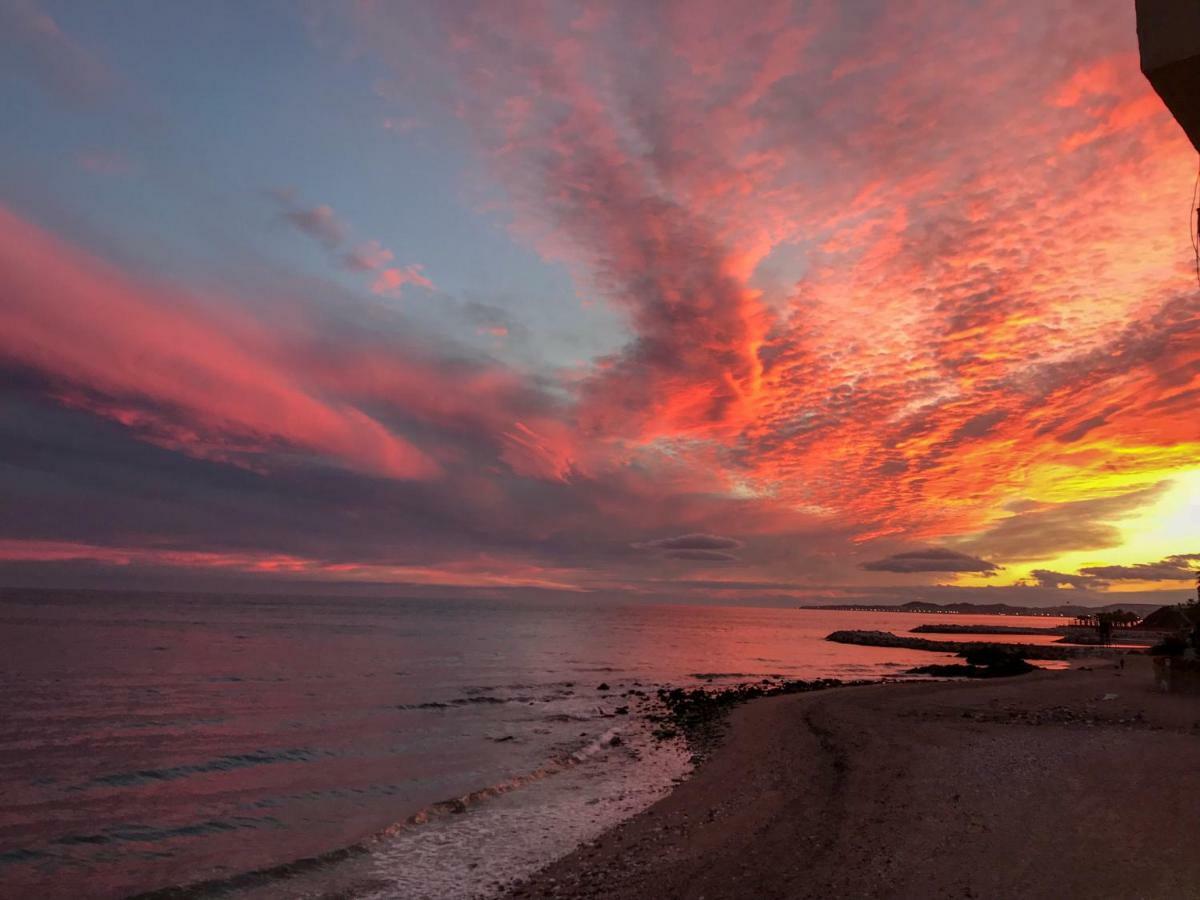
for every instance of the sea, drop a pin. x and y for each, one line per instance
(297, 747)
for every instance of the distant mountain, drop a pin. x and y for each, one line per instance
(994, 609)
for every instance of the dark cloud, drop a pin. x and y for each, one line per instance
(931, 560)
(697, 546)
(1173, 568)
(691, 542)
(1051, 579)
(320, 222)
(980, 425)
(703, 555)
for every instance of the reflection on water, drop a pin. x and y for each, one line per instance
(154, 739)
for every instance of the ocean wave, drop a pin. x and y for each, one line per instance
(220, 764)
(148, 834)
(454, 806)
(705, 676)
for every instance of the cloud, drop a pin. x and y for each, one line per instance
(369, 257)
(1043, 531)
(391, 280)
(324, 226)
(1173, 568)
(1051, 579)
(696, 547)
(320, 223)
(691, 542)
(35, 46)
(931, 560)
(171, 370)
(855, 273)
(866, 291)
(701, 555)
(490, 319)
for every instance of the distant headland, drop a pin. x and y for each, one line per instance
(991, 609)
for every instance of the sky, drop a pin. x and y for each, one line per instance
(808, 302)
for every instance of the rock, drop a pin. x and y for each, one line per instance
(1030, 651)
(602, 686)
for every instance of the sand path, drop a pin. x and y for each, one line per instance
(1029, 787)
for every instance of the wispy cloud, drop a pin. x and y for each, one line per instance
(324, 226)
(170, 369)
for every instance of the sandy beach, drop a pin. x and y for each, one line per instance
(1078, 783)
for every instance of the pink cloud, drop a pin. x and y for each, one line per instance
(175, 370)
(369, 257)
(478, 573)
(389, 281)
(323, 225)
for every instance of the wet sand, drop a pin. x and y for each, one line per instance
(1027, 787)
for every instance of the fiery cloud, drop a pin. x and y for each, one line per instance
(887, 277)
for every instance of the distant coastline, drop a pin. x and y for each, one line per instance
(989, 609)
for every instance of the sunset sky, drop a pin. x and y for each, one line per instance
(698, 301)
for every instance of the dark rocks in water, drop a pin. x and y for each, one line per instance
(602, 686)
(983, 629)
(1171, 645)
(982, 662)
(955, 670)
(1031, 651)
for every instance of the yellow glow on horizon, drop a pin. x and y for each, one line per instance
(1168, 526)
(1124, 469)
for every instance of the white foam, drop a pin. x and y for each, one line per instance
(506, 832)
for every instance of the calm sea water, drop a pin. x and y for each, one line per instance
(154, 740)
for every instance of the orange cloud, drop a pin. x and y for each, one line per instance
(992, 276)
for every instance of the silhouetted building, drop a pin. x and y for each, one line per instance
(1169, 39)
(1171, 618)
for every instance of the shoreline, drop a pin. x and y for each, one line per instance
(1073, 782)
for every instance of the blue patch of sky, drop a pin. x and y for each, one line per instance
(205, 117)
